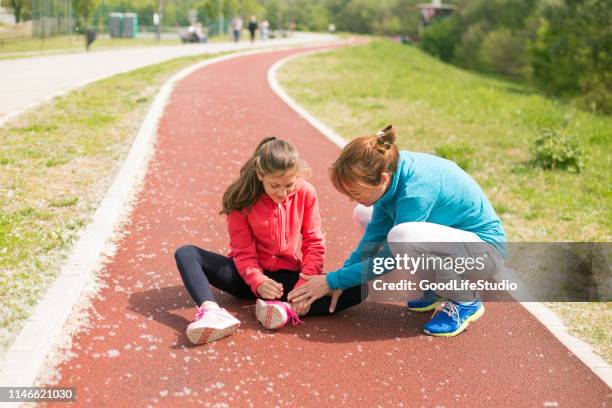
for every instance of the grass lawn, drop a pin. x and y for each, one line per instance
(77, 44)
(56, 164)
(488, 126)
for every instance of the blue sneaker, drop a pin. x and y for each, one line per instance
(451, 318)
(429, 301)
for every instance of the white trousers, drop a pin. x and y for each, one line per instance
(420, 239)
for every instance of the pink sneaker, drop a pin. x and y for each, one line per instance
(274, 314)
(211, 325)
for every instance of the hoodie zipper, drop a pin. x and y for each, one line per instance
(280, 225)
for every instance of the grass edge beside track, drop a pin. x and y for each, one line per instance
(56, 164)
(358, 90)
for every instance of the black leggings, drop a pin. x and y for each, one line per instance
(200, 269)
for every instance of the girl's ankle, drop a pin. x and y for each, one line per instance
(207, 305)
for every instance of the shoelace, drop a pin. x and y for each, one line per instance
(295, 319)
(449, 308)
(200, 312)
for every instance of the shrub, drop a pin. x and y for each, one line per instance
(467, 51)
(439, 38)
(572, 52)
(503, 51)
(555, 151)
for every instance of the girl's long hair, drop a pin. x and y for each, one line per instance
(365, 159)
(271, 155)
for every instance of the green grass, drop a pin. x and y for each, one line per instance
(56, 163)
(590, 321)
(74, 42)
(489, 127)
(486, 124)
(10, 49)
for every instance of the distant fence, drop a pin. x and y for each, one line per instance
(49, 18)
(15, 32)
(52, 17)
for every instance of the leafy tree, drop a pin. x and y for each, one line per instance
(503, 51)
(84, 10)
(22, 9)
(440, 37)
(572, 53)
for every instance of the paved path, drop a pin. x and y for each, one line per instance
(136, 352)
(28, 81)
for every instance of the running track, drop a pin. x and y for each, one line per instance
(136, 352)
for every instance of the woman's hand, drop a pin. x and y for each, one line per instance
(270, 289)
(334, 300)
(301, 308)
(315, 288)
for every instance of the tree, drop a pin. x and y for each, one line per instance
(572, 53)
(440, 37)
(84, 10)
(22, 9)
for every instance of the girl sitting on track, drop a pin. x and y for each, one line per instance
(410, 200)
(268, 208)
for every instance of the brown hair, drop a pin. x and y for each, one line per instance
(365, 159)
(271, 155)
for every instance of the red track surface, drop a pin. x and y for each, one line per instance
(137, 354)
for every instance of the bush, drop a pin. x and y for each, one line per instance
(503, 51)
(439, 38)
(597, 93)
(556, 70)
(572, 53)
(467, 51)
(554, 151)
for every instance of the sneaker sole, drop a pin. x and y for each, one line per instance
(204, 335)
(270, 316)
(426, 308)
(461, 328)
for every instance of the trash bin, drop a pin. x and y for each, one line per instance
(115, 25)
(130, 25)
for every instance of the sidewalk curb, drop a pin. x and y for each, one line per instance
(543, 314)
(41, 332)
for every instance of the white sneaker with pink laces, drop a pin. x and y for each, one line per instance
(274, 314)
(210, 325)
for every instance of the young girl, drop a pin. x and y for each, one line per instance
(268, 207)
(415, 198)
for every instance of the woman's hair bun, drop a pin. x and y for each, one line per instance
(386, 137)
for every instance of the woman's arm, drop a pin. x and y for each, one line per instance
(375, 233)
(408, 209)
(374, 236)
(346, 277)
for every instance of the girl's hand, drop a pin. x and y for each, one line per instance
(315, 288)
(270, 289)
(301, 308)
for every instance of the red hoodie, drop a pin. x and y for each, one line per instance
(266, 236)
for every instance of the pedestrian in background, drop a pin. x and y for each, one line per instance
(264, 29)
(236, 28)
(253, 26)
